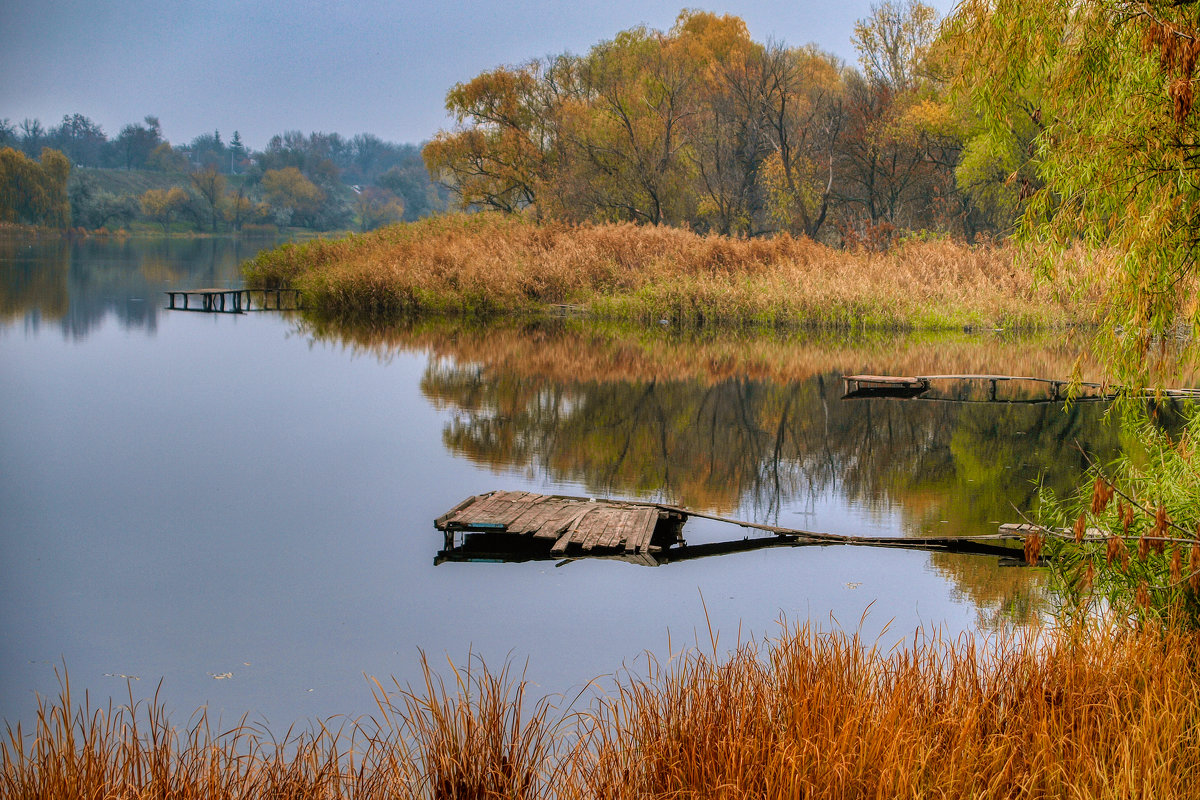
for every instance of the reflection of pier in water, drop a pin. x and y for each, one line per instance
(525, 526)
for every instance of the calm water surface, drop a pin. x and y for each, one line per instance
(242, 505)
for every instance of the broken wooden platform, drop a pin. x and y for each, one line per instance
(526, 526)
(563, 523)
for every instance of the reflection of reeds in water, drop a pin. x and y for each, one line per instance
(1082, 714)
(486, 263)
(579, 351)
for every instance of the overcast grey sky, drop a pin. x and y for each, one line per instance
(265, 66)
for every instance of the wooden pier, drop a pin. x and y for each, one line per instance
(232, 301)
(863, 386)
(524, 526)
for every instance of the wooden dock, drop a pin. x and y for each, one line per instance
(525, 526)
(232, 301)
(559, 523)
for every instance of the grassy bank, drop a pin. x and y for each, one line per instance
(486, 263)
(1094, 714)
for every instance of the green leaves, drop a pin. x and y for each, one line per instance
(1112, 152)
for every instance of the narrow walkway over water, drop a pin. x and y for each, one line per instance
(233, 301)
(909, 387)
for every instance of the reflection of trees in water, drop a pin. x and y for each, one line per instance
(80, 282)
(33, 278)
(737, 441)
(764, 446)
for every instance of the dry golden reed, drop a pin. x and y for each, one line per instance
(1093, 713)
(487, 263)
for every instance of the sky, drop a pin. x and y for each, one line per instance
(261, 67)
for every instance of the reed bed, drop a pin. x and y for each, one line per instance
(486, 263)
(1100, 712)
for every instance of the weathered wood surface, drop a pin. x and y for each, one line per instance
(582, 523)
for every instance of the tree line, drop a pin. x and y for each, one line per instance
(319, 181)
(705, 127)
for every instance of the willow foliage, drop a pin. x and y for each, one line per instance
(1109, 88)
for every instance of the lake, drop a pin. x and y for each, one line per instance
(242, 506)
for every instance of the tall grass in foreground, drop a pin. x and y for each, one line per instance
(1096, 713)
(486, 263)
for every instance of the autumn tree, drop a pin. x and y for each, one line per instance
(892, 42)
(730, 137)
(374, 206)
(34, 192)
(293, 198)
(804, 107)
(163, 205)
(896, 159)
(165, 158)
(496, 157)
(633, 138)
(209, 184)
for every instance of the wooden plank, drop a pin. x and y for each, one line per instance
(558, 514)
(530, 518)
(583, 528)
(497, 511)
(631, 526)
(562, 519)
(573, 527)
(536, 513)
(599, 523)
(613, 532)
(887, 380)
(444, 518)
(515, 507)
(485, 502)
(640, 541)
